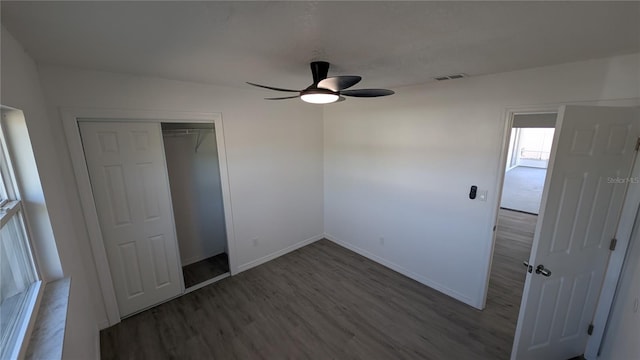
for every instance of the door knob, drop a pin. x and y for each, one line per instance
(529, 267)
(540, 269)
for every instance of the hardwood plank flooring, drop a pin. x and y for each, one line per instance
(326, 302)
(205, 269)
(514, 236)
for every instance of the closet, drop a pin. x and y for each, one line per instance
(158, 200)
(194, 177)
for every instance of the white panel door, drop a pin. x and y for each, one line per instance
(584, 191)
(131, 192)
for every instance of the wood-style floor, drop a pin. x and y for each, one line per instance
(325, 302)
(205, 269)
(514, 236)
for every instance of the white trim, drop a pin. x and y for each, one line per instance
(279, 253)
(404, 271)
(96, 341)
(226, 195)
(28, 313)
(616, 262)
(70, 118)
(12, 186)
(208, 282)
(8, 210)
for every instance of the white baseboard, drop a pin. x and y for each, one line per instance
(97, 344)
(408, 273)
(278, 253)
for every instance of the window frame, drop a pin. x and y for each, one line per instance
(11, 207)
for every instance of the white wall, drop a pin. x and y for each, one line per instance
(274, 151)
(621, 338)
(59, 243)
(196, 194)
(401, 167)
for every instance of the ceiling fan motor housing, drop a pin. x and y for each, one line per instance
(319, 70)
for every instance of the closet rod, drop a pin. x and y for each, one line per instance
(202, 133)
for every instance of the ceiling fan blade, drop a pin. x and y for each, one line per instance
(283, 98)
(272, 88)
(338, 83)
(367, 92)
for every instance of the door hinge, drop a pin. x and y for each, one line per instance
(638, 144)
(590, 329)
(612, 244)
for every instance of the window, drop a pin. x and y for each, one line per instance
(19, 279)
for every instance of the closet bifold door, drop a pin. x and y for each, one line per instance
(133, 202)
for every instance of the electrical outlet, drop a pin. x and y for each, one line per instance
(482, 195)
(255, 241)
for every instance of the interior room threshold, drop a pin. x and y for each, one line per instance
(207, 282)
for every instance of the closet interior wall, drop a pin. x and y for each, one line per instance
(194, 177)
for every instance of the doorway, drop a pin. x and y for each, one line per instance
(525, 169)
(196, 193)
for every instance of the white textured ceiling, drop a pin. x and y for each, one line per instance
(389, 43)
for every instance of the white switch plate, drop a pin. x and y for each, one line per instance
(482, 195)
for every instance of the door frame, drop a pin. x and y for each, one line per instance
(617, 258)
(70, 118)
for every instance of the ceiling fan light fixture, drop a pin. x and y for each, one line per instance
(319, 98)
(316, 95)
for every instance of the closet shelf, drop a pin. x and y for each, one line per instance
(201, 133)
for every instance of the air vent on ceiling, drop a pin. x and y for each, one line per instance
(450, 77)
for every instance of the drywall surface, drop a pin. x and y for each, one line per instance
(60, 247)
(274, 151)
(398, 169)
(621, 338)
(196, 194)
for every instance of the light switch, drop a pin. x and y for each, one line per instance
(482, 195)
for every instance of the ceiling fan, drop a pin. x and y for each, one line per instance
(325, 90)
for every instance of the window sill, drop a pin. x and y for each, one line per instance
(47, 337)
